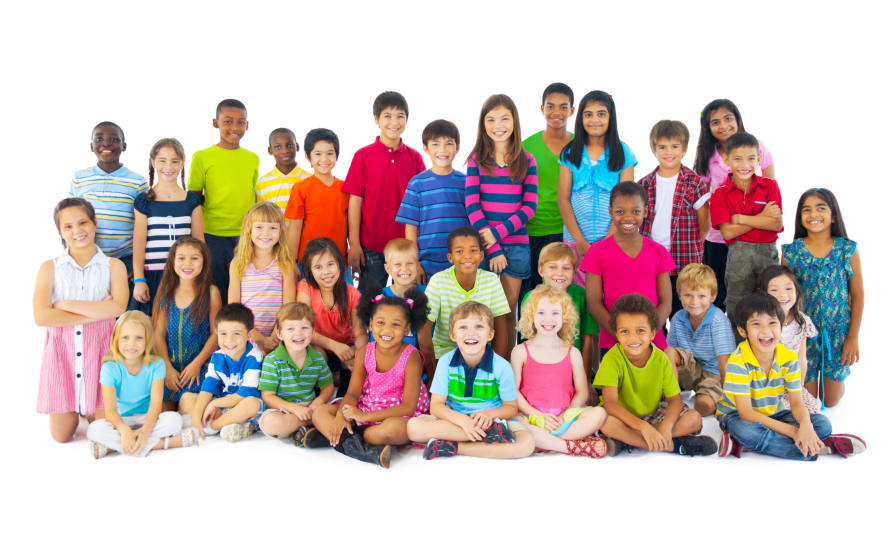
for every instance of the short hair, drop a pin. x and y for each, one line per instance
(229, 103)
(236, 312)
(69, 202)
(137, 317)
(758, 303)
(294, 311)
(562, 89)
(634, 304)
(108, 124)
(320, 134)
(569, 330)
(281, 130)
(441, 128)
(740, 139)
(628, 189)
(466, 309)
(390, 99)
(671, 130)
(697, 276)
(557, 251)
(400, 245)
(465, 230)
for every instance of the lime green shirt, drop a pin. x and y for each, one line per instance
(229, 179)
(547, 219)
(640, 390)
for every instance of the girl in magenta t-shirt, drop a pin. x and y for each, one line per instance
(627, 262)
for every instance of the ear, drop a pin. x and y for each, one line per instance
(407, 330)
(542, 110)
(743, 333)
(307, 158)
(270, 151)
(540, 270)
(214, 123)
(247, 125)
(92, 150)
(376, 119)
(759, 160)
(491, 336)
(123, 147)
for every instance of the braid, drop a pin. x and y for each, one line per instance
(150, 193)
(183, 176)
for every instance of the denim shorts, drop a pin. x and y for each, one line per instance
(518, 261)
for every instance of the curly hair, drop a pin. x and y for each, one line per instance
(569, 330)
(634, 304)
(416, 315)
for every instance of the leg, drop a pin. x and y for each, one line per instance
(833, 391)
(64, 425)
(276, 425)
(690, 422)
(545, 440)
(715, 257)
(221, 255)
(129, 268)
(616, 429)
(587, 424)
(169, 405)
(756, 437)
(392, 431)
(511, 287)
(246, 409)
(524, 446)
(423, 428)
(676, 304)
(187, 403)
(101, 431)
(323, 417)
(739, 279)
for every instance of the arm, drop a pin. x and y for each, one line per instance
(156, 394)
(702, 217)
(340, 421)
(564, 200)
(610, 403)
(474, 209)
(355, 251)
(769, 219)
(769, 172)
(197, 230)
(850, 353)
(439, 409)
(517, 361)
(410, 232)
(746, 413)
(199, 412)
(580, 379)
(806, 438)
(663, 291)
(499, 342)
(160, 336)
(110, 401)
(103, 309)
(427, 348)
(507, 411)
(193, 371)
(593, 286)
(44, 313)
(587, 352)
(141, 290)
(526, 212)
(288, 286)
(342, 351)
(234, 291)
(295, 227)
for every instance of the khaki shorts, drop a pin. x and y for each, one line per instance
(693, 378)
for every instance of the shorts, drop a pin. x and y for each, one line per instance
(518, 261)
(272, 410)
(658, 415)
(693, 378)
(254, 420)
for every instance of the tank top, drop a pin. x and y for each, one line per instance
(547, 385)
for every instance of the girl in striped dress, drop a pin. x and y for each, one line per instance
(262, 274)
(77, 297)
(162, 214)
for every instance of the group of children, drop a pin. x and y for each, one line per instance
(295, 350)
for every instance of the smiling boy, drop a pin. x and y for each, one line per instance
(276, 185)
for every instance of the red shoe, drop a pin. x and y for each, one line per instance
(589, 446)
(729, 446)
(843, 444)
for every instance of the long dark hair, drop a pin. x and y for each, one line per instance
(317, 247)
(483, 151)
(164, 297)
(574, 150)
(707, 142)
(773, 272)
(837, 228)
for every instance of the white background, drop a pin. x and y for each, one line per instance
(811, 80)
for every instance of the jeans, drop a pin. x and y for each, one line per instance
(715, 257)
(128, 268)
(373, 271)
(756, 437)
(222, 249)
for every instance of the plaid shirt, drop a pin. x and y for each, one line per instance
(686, 240)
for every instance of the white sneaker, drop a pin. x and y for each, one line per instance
(234, 432)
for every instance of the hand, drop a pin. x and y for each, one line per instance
(141, 292)
(356, 257)
(208, 415)
(192, 373)
(771, 210)
(172, 379)
(335, 429)
(140, 439)
(473, 431)
(344, 352)
(201, 428)
(351, 413)
(498, 263)
(303, 413)
(850, 351)
(593, 398)
(665, 431)
(488, 237)
(654, 440)
(260, 340)
(582, 246)
(481, 420)
(551, 422)
(421, 277)
(807, 441)
(127, 439)
(61, 305)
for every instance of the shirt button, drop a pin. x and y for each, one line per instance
(393, 161)
(79, 375)
(79, 354)
(78, 333)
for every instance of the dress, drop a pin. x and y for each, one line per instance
(383, 390)
(791, 337)
(185, 341)
(262, 292)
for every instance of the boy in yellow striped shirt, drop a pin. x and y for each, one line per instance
(277, 185)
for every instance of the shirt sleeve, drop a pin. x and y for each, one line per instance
(736, 380)
(699, 194)
(325, 377)
(157, 372)
(433, 293)
(255, 174)
(251, 377)
(354, 181)
(591, 263)
(666, 263)
(529, 204)
(722, 336)
(110, 374)
(142, 206)
(506, 381)
(719, 209)
(607, 374)
(295, 207)
(409, 211)
(474, 204)
(670, 386)
(270, 378)
(498, 302)
(630, 159)
(440, 379)
(197, 175)
(671, 339)
(793, 376)
(766, 157)
(212, 384)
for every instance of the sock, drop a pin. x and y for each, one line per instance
(677, 446)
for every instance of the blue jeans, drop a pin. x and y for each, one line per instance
(373, 271)
(518, 261)
(756, 437)
(222, 249)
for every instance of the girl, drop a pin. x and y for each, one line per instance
(162, 214)
(829, 267)
(333, 301)
(552, 387)
(501, 196)
(719, 120)
(262, 273)
(782, 283)
(589, 167)
(76, 297)
(184, 312)
(386, 391)
(133, 382)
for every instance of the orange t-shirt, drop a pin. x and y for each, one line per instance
(324, 210)
(329, 323)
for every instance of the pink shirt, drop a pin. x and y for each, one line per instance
(624, 275)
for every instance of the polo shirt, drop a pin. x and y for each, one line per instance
(276, 187)
(744, 376)
(730, 199)
(112, 196)
(280, 374)
(469, 390)
(380, 174)
(133, 393)
(547, 220)
(445, 295)
(712, 338)
(226, 376)
(640, 389)
(579, 298)
(436, 205)
(228, 179)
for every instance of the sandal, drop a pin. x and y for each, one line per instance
(97, 450)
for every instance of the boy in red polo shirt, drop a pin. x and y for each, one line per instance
(376, 182)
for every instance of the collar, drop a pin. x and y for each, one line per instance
(757, 180)
(296, 172)
(745, 349)
(459, 286)
(486, 364)
(120, 172)
(649, 359)
(596, 175)
(706, 318)
(99, 258)
(381, 147)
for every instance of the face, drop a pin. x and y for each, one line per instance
(167, 164)
(265, 235)
(816, 215)
(325, 270)
(635, 334)
(723, 124)
(763, 332)
(323, 158)
(188, 262)
(441, 151)
(232, 338)
(471, 335)
(627, 214)
(132, 341)
(548, 317)
(596, 119)
(558, 274)
(295, 334)
(557, 109)
(403, 267)
(392, 123)
(389, 325)
(782, 288)
(76, 228)
(499, 124)
(744, 162)
(233, 123)
(107, 144)
(283, 148)
(466, 254)
(669, 153)
(696, 300)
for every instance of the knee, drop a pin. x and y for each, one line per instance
(832, 398)
(392, 435)
(93, 430)
(250, 403)
(596, 415)
(822, 426)
(691, 421)
(413, 430)
(611, 426)
(525, 444)
(187, 403)
(169, 423)
(271, 424)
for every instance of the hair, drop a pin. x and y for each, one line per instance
(315, 248)
(671, 130)
(281, 130)
(441, 128)
(628, 189)
(390, 99)
(470, 308)
(773, 272)
(740, 139)
(136, 317)
(267, 212)
(557, 251)
(159, 145)
(697, 276)
(164, 296)
(465, 230)
(558, 87)
(294, 311)
(416, 314)
(108, 124)
(569, 330)
(634, 304)
(574, 150)
(235, 312)
(757, 303)
(707, 144)
(70, 202)
(837, 228)
(483, 151)
(400, 245)
(229, 103)
(320, 134)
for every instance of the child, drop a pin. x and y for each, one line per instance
(589, 167)
(750, 412)
(403, 266)
(640, 393)
(185, 307)
(224, 176)
(333, 301)
(162, 214)
(379, 403)
(746, 208)
(277, 185)
(552, 387)
(133, 381)
(290, 375)
(627, 262)
(700, 340)
(473, 396)
(678, 212)
(827, 264)
(262, 274)
(376, 181)
(229, 401)
(718, 121)
(435, 200)
(77, 297)
(501, 196)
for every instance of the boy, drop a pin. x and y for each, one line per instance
(473, 396)
(751, 412)
(229, 401)
(290, 374)
(678, 215)
(462, 282)
(546, 225)
(635, 376)
(435, 201)
(700, 340)
(224, 177)
(403, 265)
(277, 185)
(376, 181)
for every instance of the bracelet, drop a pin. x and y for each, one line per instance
(140, 280)
(738, 219)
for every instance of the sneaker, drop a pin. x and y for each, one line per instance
(614, 447)
(729, 446)
(843, 444)
(696, 445)
(499, 432)
(234, 432)
(97, 450)
(310, 438)
(440, 448)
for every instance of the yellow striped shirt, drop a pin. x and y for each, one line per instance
(276, 187)
(744, 376)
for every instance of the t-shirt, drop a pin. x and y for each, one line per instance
(280, 374)
(730, 199)
(226, 376)
(661, 230)
(166, 221)
(329, 323)
(579, 298)
(324, 210)
(547, 220)
(640, 390)
(623, 275)
(132, 392)
(744, 376)
(276, 187)
(468, 390)
(712, 338)
(411, 339)
(228, 178)
(445, 294)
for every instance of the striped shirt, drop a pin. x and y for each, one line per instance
(445, 294)
(495, 202)
(710, 339)
(276, 187)
(112, 196)
(227, 377)
(468, 390)
(744, 376)
(166, 221)
(280, 374)
(436, 205)
(262, 292)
